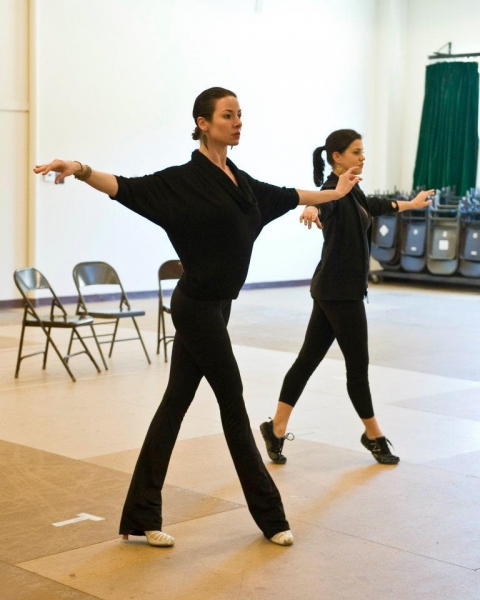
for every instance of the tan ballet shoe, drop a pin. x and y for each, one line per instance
(283, 538)
(159, 538)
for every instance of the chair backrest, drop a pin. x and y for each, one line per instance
(95, 273)
(30, 279)
(171, 269)
(414, 238)
(471, 244)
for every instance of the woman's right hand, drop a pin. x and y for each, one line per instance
(347, 181)
(103, 182)
(64, 168)
(310, 215)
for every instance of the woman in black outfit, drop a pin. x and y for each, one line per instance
(212, 213)
(338, 289)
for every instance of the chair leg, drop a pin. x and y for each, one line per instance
(19, 357)
(159, 327)
(70, 344)
(87, 351)
(45, 356)
(99, 347)
(62, 358)
(114, 335)
(65, 364)
(141, 340)
(164, 338)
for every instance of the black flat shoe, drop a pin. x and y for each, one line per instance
(273, 443)
(380, 450)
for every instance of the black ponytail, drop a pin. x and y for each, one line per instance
(318, 166)
(337, 141)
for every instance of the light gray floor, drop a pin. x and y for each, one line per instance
(361, 529)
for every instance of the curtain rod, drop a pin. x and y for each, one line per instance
(438, 55)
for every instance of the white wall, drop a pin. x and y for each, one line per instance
(383, 167)
(117, 91)
(13, 140)
(113, 83)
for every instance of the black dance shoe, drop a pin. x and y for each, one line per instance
(273, 443)
(380, 450)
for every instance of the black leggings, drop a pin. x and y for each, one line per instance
(201, 347)
(347, 323)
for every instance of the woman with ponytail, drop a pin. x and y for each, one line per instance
(212, 212)
(338, 289)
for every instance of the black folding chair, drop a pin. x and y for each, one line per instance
(414, 238)
(384, 239)
(172, 269)
(29, 280)
(443, 219)
(470, 235)
(386, 236)
(102, 274)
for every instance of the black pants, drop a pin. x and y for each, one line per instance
(201, 347)
(347, 323)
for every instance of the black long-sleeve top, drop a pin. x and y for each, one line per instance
(211, 222)
(342, 273)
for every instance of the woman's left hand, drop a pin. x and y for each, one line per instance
(347, 181)
(421, 200)
(309, 216)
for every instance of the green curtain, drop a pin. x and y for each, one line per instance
(448, 140)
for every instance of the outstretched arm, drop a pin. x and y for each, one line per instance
(418, 203)
(344, 185)
(103, 182)
(311, 214)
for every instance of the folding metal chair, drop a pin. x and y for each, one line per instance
(99, 273)
(385, 237)
(470, 235)
(414, 236)
(172, 269)
(29, 280)
(443, 234)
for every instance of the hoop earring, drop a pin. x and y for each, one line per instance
(205, 140)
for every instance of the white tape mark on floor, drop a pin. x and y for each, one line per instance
(78, 518)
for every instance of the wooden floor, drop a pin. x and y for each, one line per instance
(362, 530)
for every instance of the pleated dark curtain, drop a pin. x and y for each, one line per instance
(448, 141)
